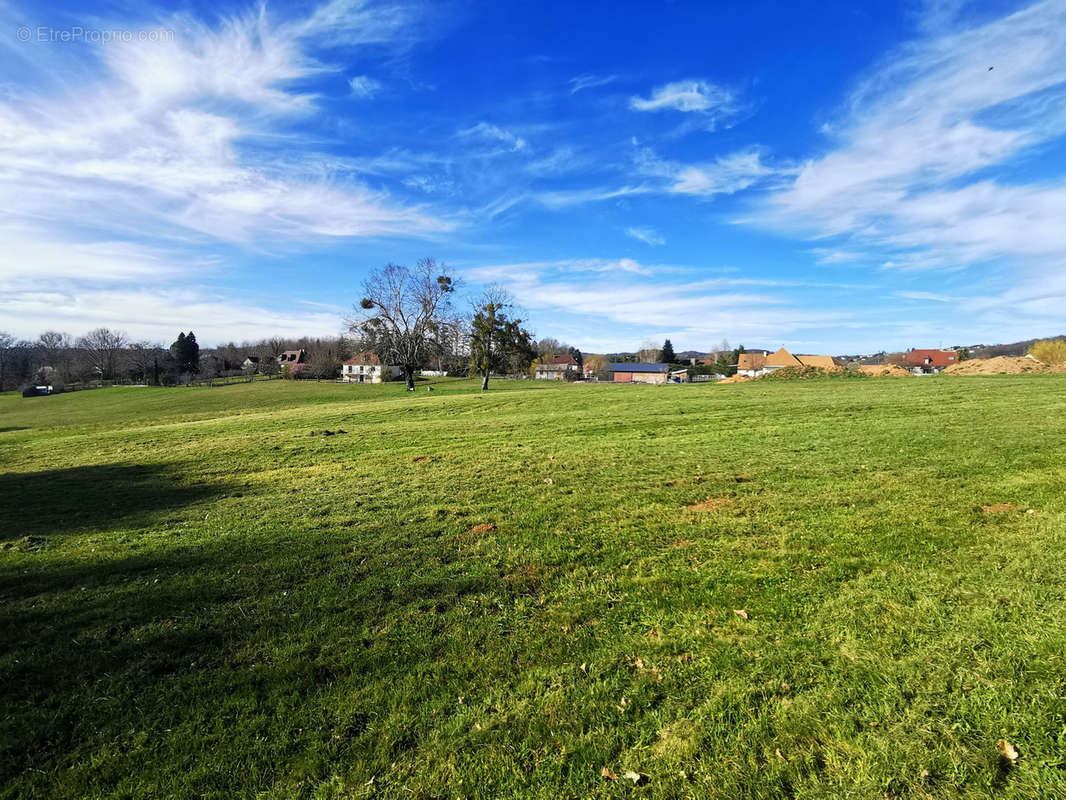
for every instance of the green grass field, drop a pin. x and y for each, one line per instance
(202, 595)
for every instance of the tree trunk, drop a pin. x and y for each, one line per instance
(485, 382)
(409, 376)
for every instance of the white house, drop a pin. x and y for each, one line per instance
(366, 367)
(555, 368)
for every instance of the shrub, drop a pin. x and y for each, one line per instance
(812, 373)
(1051, 351)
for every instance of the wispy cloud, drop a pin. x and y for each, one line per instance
(726, 174)
(587, 81)
(711, 102)
(911, 173)
(363, 86)
(493, 133)
(692, 311)
(646, 235)
(165, 142)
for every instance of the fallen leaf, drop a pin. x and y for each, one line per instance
(1008, 751)
(549, 481)
(778, 752)
(740, 612)
(484, 527)
(635, 777)
(608, 774)
(584, 668)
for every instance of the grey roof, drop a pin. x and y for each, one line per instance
(615, 367)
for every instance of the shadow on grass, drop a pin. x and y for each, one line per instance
(13, 428)
(65, 500)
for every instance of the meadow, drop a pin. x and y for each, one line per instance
(820, 589)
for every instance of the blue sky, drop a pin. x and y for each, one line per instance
(832, 177)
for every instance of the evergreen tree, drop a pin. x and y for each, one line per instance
(498, 343)
(580, 359)
(668, 356)
(186, 353)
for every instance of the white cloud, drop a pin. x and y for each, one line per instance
(582, 82)
(126, 165)
(646, 235)
(698, 96)
(363, 86)
(727, 174)
(700, 311)
(156, 314)
(909, 175)
(493, 133)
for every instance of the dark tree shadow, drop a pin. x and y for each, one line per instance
(14, 428)
(66, 500)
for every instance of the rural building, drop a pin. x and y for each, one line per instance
(366, 367)
(640, 373)
(293, 360)
(752, 365)
(931, 360)
(679, 376)
(555, 368)
(250, 363)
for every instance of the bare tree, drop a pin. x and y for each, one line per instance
(401, 312)
(649, 353)
(103, 348)
(7, 341)
(145, 358)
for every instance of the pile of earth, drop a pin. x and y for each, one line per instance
(736, 379)
(1001, 365)
(885, 371)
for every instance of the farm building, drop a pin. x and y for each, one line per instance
(752, 365)
(555, 368)
(250, 364)
(640, 373)
(366, 367)
(931, 360)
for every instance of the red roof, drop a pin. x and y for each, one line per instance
(932, 358)
(567, 359)
(366, 357)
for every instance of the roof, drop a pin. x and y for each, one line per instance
(751, 361)
(615, 367)
(564, 359)
(782, 358)
(252, 358)
(292, 357)
(366, 357)
(822, 362)
(937, 358)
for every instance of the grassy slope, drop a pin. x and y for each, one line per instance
(212, 602)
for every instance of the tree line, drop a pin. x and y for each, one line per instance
(407, 316)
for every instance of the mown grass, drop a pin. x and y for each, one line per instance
(202, 595)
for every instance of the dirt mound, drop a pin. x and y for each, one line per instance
(884, 371)
(736, 379)
(1001, 365)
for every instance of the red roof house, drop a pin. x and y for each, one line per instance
(932, 360)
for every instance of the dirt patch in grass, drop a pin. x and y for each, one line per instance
(422, 459)
(484, 527)
(711, 504)
(998, 508)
